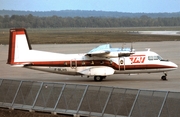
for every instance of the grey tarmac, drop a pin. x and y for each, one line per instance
(167, 49)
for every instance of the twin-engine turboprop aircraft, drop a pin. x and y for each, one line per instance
(99, 62)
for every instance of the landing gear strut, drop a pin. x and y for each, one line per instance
(164, 76)
(99, 78)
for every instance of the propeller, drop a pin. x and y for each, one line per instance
(126, 53)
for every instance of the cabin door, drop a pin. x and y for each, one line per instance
(122, 64)
(73, 64)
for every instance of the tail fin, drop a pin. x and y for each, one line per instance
(18, 45)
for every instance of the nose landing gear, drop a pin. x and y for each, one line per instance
(164, 76)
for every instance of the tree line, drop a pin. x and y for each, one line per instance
(30, 21)
(88, 13)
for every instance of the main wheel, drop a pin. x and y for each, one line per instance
(163, 78)
(98, 78)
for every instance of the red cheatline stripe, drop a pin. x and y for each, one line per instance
(96, 63)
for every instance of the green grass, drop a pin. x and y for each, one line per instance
(91, 35)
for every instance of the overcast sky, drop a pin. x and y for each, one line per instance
(147, 6)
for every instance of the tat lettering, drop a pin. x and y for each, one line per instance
(137, 58)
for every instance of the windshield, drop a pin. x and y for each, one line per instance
(160, 58)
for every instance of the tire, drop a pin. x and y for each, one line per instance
(98, 78)
(163, 78)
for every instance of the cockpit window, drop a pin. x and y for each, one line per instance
(150, 58)
(154, 58)
(160, 58)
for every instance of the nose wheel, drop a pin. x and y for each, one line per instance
(164, 76)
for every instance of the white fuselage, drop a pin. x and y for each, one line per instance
(81, 64)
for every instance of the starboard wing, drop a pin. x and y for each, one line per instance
(106, 51)
(100, 50)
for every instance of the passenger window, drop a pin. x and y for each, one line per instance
(65, 63)
(83, 63)
(111, 62)
(102, 62)
(150, 58)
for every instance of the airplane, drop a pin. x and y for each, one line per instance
(99, 63)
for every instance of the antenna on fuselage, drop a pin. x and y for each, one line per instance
(132, 49)
(131, 46)
(148, 49)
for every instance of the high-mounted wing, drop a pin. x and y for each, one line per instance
(100, 50)
(107, 51)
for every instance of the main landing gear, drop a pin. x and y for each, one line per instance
(164, 76)
(99, 78)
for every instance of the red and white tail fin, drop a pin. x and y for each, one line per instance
(18, 46)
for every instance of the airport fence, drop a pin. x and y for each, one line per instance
(87, 100)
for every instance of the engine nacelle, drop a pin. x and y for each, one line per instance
(98, 71)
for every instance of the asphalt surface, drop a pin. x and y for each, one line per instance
(168, 50)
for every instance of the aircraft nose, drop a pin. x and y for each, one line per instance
(174, 65)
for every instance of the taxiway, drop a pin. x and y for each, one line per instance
(168, 50)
